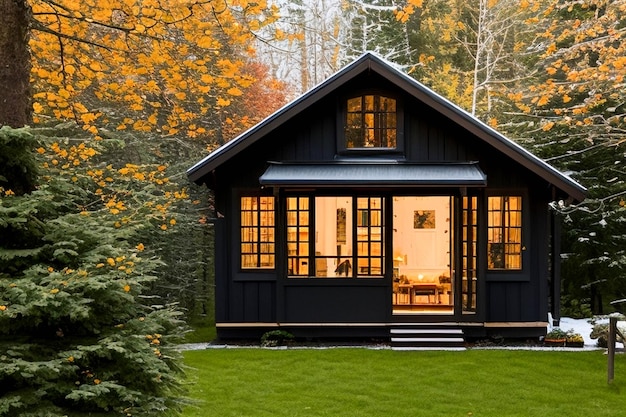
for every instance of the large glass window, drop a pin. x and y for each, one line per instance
(369, 236)
(470, 234)
(298, 235)
(371, 122)
(335, 236)
(257, 232)
(504, 239)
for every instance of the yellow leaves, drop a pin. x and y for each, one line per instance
(139, 28)
(234, 91)
(207, 79)
(111, 261)
(523, 107)
(115, 206)
(140, 247)
(142, 126)
(95, 66)
(619, 63)
(54, 291)
(548, 126)
(542, 100)
(222, 102)
(181, 194)
(3, 308)
(403, 15)
(206, 42)
(175, 65)
(38, 108)
(88, 118)
(126, 288)
(160, 72)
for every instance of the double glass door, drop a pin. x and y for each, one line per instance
(423, 255)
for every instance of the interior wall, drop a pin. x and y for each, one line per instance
(421, 237)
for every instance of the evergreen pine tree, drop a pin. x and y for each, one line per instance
(78, 336)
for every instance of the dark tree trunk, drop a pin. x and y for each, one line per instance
(15, 65)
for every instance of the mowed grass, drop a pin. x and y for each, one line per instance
(362, 382)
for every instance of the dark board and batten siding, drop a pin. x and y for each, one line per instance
(433, 131)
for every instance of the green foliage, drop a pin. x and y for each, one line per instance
(574, 307)
(18, 168)
(79, 333)
(556, 333)
(276, 338)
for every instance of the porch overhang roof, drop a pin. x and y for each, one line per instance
(373, 174)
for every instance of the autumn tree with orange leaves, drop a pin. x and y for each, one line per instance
(163, 67)
(573, 114)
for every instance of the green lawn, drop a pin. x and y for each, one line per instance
(363, 382)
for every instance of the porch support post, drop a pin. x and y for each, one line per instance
(281, 253)
(457, 266)
(555, 288)
(388, 242)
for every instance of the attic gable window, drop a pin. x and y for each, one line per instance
(371, 122)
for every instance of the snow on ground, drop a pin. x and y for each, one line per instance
(584, 327)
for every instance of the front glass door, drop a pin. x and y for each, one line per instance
(422, 255)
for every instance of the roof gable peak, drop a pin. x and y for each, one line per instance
(370, 61)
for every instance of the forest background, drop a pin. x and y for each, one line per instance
(107, 103)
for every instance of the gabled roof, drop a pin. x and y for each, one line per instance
(371, 62)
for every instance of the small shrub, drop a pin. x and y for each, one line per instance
(556, 333)
(276, 338)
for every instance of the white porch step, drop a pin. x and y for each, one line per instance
(428, 339)
(427, 336)
(410, 348)
(427, 331)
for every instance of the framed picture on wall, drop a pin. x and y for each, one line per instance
(424, 219)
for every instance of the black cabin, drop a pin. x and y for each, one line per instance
(371, 203)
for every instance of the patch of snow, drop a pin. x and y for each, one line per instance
(584, 327)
